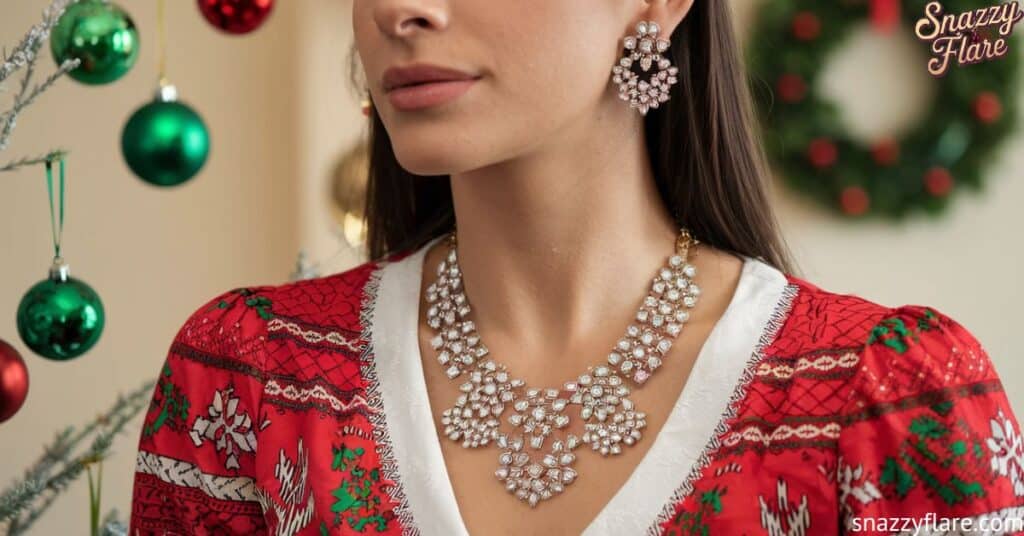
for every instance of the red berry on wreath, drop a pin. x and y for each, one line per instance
(938, 181)
(854, 200)
(987, 107)
(806, 26)
(822, 153)
(886, 151)
(980, 35)
(885, 15)
(791, 88)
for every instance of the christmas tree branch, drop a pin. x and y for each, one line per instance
(24, 56)
(25, 52)
(26, 500)
(20, 525)
(21, 101)
(51, 156)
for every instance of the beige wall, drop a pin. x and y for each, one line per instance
(280, 112)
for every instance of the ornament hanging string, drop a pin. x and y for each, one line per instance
(163, 42)
(56, 229)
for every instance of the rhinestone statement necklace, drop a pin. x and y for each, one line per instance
(531, 467)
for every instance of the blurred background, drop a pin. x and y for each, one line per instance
(282, 115)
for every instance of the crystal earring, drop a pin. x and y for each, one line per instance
(647, 48)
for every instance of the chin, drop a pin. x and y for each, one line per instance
(427, 159)
(441, 151)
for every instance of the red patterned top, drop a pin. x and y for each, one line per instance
(849, 417)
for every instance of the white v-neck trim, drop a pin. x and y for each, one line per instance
(413, 443)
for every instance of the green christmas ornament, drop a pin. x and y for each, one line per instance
(61, 317)
(165, 142)
(101, 35)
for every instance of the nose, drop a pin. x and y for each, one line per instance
(403, 19)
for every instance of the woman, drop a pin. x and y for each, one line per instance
(610, 341)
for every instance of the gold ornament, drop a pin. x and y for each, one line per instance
(348, 190)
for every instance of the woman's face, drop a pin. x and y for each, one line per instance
(541, 72)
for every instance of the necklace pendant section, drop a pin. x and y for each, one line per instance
(540, 413)
(610, 419)
(533, 481)
(474, 417)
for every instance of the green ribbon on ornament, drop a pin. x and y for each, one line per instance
(58, 234)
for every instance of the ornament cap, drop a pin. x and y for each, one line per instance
(60, 270)
(167, 93)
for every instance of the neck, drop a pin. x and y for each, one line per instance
(561, 245)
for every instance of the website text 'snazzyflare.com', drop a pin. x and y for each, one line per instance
(931, 523)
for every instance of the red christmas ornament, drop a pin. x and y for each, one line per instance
(236, 16)
(885, 15)
(822, 153)
(854, 200)
(886, 152)
(13, 381)
(938, 181)
(806, 26)
(987, 107)
(791, 88)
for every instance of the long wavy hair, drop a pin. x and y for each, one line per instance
(708, 161)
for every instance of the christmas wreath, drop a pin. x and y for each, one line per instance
(973, 112)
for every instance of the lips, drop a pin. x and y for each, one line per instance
(421, 73)
(428, 94)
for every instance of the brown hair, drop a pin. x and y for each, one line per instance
(707, 160)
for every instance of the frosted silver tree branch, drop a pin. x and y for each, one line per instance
(26, 161)
(24, 57)
(28, 498)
